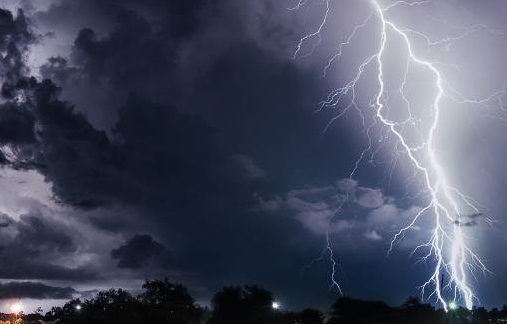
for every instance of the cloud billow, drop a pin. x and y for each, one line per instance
(141, 251)
(363, 212)
(37, 239)
(34, 290)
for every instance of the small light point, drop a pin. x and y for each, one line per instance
(275, 305)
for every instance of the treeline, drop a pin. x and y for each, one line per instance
(164, 302)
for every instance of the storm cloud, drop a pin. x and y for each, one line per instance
(34, 290)
(139, 251)
(180, 138)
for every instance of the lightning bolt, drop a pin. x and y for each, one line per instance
(447, 246)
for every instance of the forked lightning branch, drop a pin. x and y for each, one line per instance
(455, 263)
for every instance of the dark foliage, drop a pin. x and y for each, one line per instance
(164, 302)
(249, 304)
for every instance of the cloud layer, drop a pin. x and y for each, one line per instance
(362, 212)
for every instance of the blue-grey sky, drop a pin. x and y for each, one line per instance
(180, 139)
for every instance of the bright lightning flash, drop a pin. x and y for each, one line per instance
(447, 247)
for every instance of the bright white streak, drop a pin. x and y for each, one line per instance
(447, 247)
(458, 257)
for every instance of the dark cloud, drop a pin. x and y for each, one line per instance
(53, 138)
(136, 168)
(5, 220)
(141, 251)
(180, 17)
(138, 54)
(15, 36)
(188, 161)
(37, 240)
(16, 125)
(35, 290)
(58, 70)
(77, 158)
(157, 148)
(167, 149)
(115, 59)
(36, 233)
(23, 268)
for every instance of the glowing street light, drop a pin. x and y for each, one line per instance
(275, 305)
(16, 308)
(78, 307)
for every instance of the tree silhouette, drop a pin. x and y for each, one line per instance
(353, 311)
(165, 302)
(416, 312)
(309, 316)
(244, 305)
(111, 306)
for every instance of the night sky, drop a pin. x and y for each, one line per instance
(143, 139)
